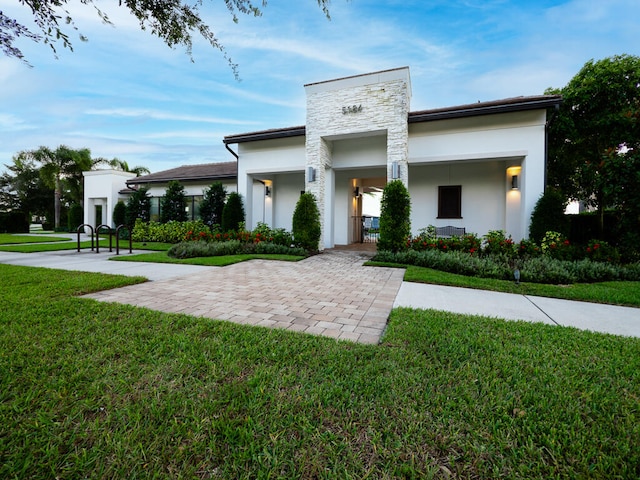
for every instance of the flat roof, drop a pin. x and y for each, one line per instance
(514, 104)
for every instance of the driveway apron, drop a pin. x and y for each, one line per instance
(331, 294)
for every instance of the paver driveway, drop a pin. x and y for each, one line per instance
(331, 294)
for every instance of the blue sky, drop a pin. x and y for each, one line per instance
(125, 94)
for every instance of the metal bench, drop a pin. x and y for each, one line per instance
(449, 231)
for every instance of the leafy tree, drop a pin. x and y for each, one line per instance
(306, 227)
(598, 122)
(22, 188)
(233, 212)
(173, 21)
(212, 204)
(118, 164)
(172, 205)
(120, 213)
(548, 215)
(395, 217)
(138, 206)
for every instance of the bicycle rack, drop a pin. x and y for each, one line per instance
(92, 231)
(118, 228)
(98, 238)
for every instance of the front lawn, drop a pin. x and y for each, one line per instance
(112, 391)
(11, 239)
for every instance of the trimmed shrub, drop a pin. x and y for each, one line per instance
(75, 218)
(232, 247)
(138, 207)
(170, 232)
(233, 213)
(172, 205)
(119, 213)
(541, 269)
(395, 217)
(306, 222)
(212, 204)
(548, 215)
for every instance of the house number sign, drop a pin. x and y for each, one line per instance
(351, 109)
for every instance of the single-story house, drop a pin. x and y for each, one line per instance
(480, 166)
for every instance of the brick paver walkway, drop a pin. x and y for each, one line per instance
(331, 294)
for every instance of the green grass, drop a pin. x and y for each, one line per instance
(9, 238)
(219, 261)
(94, 390)
(614, 293)
(72, 245)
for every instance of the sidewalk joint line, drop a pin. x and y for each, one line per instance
(545, 313)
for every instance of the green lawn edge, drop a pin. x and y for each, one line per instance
(612, 293)
(218, 261)
(13, 239)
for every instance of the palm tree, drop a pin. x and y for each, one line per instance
(62, 170)
(118, 164)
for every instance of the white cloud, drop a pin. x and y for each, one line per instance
(164, 115)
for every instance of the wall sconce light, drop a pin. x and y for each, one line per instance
(311, 174)
(395, 170)
(514, 182)
(356, 192)
(267, 191)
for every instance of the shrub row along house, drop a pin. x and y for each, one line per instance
(480, 166)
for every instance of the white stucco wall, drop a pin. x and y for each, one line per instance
(281, 164)
(508, 139)
(101, 187)
(483, 195)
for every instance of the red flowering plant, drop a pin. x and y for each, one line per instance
(497, 243)
(557, 246)
(528, 249)
(601, 251)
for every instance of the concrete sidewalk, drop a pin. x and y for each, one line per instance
(331, 294)
(508, 306)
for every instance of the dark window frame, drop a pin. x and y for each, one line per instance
(450, 201)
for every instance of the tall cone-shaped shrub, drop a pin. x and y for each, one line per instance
(306, 222)
(233, 213)
(395, 217)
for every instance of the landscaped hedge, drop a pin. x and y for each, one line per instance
(202, 248)
(556, 260)
(170, 232)
(542, 269)
(13, 222)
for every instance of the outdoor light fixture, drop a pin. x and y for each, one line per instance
(267, 191)
(395, 170)
(516, 275)
(311, 174)
(356, 192)
(514, 182)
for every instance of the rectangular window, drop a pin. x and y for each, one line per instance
(450, 201)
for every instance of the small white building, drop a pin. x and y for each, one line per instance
(479, 166)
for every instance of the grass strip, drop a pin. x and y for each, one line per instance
(114, 391)
(72, 245)
(11, 239)
(219, 261)
(613, 293)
